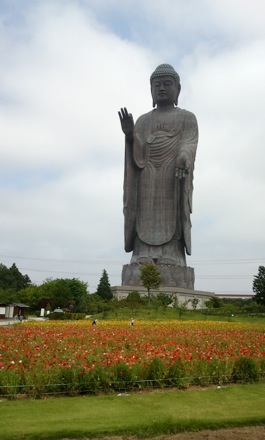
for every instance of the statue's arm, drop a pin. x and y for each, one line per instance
(130, 180)
(188, 147)
(127, 124)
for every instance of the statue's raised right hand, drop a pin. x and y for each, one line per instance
(127, 123)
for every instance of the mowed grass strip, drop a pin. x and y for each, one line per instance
(141, 414)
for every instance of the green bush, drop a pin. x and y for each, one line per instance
(66, 316)
(178, 375)
(57, 316)
(211, 372)
(11, 384)
(262, 369)
(156, 371)
(99, 380)
(246, 370)
(123, 377)
(46, 383)
(74, 316)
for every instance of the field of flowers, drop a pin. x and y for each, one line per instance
(39, 359)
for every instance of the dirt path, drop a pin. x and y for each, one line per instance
(246, 433)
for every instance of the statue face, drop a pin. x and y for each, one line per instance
(164, 90)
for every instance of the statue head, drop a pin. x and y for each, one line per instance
(161, 73)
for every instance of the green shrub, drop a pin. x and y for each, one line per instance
(56, 316)
(66, 316)
(211, 372)
(99, 380)
(11, 383)
(74, 316)
(245, 370)
(179, 375)
(262, 369)
(156, 371)
(46, 382)
(203, 373)
(123, 377)
(69, 381)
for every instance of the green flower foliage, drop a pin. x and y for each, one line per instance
(245, 370)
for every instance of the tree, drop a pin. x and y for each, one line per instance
(259, 286)
(156, 303)
(62, 292)
(182, 307)
(164, 299)
(214, 303)
(91, 304)
(150, 277)
(32, 296)
(194, 303)
(12, 279)
(7, 296)
(20, 281)
(133, 300)
(103, 289)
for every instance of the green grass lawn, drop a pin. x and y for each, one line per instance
(143, 313)
(142, 414)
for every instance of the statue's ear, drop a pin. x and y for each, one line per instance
(177, 95)
(154, 102)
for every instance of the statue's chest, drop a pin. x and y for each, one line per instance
(162, 121)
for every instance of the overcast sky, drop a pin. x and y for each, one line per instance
(66, 69)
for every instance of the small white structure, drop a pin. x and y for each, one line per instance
(58, 310)
(10, 310)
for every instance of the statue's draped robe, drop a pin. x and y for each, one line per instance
(157, 205)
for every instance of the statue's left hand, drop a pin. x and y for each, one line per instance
(183, 166)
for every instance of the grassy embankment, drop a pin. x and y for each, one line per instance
(146, 414)
(145, 313)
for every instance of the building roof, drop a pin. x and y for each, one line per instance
(14, 304)
(20, 305)
(235, 295)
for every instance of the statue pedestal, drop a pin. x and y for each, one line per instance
(183, 295)
(172, 276)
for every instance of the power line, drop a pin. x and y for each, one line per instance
(59, 260)
(223, 261)
(240, 261)
(227, 277)
(59, 271)
(200, 277)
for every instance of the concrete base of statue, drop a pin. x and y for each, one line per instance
(182, 295)
(172, 276)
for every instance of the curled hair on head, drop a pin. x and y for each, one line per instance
(165, 70)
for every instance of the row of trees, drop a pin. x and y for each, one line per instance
(66, 293)
(72, 294)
